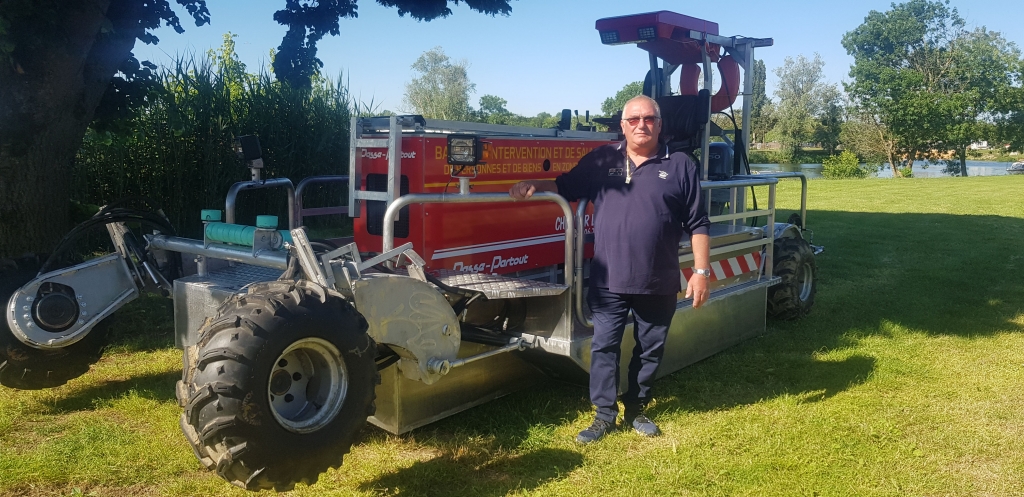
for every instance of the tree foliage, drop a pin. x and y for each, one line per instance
(492, 110)
(762, 111)
(805, 102)
(308, 22)
(442, 89)
(985, 76)
(829, 125)
(928, 81)
(614, 104)
(863, 134)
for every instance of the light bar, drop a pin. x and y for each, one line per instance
(647, 33)
(609, 37)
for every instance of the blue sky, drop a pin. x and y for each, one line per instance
(547, 55)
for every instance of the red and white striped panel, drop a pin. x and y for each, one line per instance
(727, 268)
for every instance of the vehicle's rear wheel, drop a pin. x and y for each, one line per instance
(279, 385)
(28, 368)
(793, 297)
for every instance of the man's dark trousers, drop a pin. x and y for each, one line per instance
(652, 315)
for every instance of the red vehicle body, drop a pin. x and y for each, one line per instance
(481, 238)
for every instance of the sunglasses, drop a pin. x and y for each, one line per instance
(648, 120)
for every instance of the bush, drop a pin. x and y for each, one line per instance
(843, 166)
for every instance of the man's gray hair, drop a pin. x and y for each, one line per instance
(640, 98)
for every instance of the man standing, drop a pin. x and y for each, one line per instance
(644, 199)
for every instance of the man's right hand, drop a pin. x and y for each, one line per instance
(522, 190)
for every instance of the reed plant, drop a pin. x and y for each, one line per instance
(177, 150)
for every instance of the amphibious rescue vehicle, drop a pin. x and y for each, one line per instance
(447, 295)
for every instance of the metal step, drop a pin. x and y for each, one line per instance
(494, 286)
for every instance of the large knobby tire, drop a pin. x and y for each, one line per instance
(28, 368)
(279, 385)
(793, 297)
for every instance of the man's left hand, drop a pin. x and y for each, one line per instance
(697, 287)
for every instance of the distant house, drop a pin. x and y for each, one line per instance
(982, 145)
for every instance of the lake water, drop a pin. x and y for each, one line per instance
(921, 169)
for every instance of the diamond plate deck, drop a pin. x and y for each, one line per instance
(499, 287)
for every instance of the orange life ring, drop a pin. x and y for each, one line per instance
(729, 87)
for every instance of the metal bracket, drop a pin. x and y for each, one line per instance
(307, 259)
(120, 235)
(348, 264)
(390, 254)
(265, 239)
(348, 253)
(347, 260)
(415, 266)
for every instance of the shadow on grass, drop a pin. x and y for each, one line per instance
(144, 325)
(732, 380)
(931, 273)
(156, 386)
(491, 449)
(477, 472)
(880, 274)
(518, 420)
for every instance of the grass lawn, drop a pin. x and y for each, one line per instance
(906, 379)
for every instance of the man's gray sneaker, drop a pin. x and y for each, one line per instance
(596, 430)
(644, 426)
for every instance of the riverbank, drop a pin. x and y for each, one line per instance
(816, 156)
(993, 156)
(921, 169)
(809, 156)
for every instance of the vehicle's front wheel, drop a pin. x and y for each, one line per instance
(793, 262)
(279, 385)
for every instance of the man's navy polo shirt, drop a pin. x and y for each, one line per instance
(637, 225)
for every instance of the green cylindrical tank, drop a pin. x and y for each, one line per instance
(240, 235)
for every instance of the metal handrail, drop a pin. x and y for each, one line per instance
(229, 202)
(441, 198)
(301, 187)
(786, 175)
(577, 280)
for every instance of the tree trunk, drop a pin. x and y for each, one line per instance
(48, 96)
(962, 155)
(892, 164)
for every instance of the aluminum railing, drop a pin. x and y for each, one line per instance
(786, 175)
(301, 212)
(229, 201)
(440, 198)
